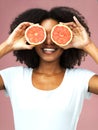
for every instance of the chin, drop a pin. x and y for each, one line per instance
(50, 59)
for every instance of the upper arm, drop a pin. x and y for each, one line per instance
(1, 83)
(93, 84)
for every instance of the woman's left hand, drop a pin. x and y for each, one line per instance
(80, 36)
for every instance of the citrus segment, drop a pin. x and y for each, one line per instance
(61, 34)
(35, 34)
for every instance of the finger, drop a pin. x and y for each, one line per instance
(29, 46)
(23, 25)
(77, 21)
(68, 23)
(20, 29)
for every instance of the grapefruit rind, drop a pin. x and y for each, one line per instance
(56, 32)
(39, 36)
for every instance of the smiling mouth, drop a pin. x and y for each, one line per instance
(49, 50)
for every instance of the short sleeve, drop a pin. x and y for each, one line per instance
(84, 77)
(10, 77)
(79, 79)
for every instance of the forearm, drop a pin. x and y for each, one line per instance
(5, 48)
(92, 50)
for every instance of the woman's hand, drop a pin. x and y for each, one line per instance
(80, 36)
(17, 40)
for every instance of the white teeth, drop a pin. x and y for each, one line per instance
(49, 49)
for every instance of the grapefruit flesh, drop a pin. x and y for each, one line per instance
(61, 34)
(35, 34)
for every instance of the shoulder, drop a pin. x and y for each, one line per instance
(80, 74)
(11, 76)
(16, 68)
(80, 78)
(79, 71)
(12, 72)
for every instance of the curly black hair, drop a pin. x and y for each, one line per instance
(69, 57)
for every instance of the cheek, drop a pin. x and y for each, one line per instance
(38, 49)
(60, 51)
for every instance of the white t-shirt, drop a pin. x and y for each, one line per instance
(35, 109)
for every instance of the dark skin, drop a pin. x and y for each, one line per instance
(49, 68)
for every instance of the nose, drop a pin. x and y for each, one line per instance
(48, 40)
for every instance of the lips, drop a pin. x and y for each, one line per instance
(49, 50)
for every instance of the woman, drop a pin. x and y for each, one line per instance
(48, 94)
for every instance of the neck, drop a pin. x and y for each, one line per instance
(49, 68)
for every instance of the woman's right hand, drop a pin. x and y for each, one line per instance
(16, 39)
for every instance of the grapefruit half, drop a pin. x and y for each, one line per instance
(35, 34)
(61, 34)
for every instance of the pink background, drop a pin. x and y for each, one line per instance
(10, 9)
